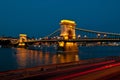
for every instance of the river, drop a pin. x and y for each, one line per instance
(18, 58)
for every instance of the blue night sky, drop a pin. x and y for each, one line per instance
(41, 17)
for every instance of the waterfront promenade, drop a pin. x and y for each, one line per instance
(61, 71)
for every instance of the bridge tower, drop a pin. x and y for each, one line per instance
(68, 29)
(67, 33)
(22, 40)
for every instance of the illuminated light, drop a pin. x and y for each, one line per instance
(76, 58)
(64, 34)
(65, 37)
(69, 44)
(23, 35)
(21, 44)
(61, 44)
(70, 26)
(98, 34)
(74, 37)
(35, 45)
(58, 55)
(68, 22)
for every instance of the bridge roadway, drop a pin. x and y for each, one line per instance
(78, 40)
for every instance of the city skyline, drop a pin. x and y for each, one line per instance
(40, 18)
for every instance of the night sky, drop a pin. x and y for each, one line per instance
(40, 17)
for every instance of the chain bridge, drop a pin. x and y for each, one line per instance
(69, 33)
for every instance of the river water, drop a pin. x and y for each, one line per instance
(18, 58)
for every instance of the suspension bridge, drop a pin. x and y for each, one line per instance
(87, 36)
(68, 32)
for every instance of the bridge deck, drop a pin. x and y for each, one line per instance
(80, 40)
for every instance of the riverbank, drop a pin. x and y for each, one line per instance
(28, 72)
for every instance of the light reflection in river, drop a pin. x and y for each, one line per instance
(29, 58)
(17, 58)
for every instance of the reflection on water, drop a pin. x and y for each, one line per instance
(21, 57)
(17, 58)
(30, 58)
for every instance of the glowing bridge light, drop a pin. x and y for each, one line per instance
(68, 21)
(23, 35)
(61, 44)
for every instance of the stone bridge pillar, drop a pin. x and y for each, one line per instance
(68, 32)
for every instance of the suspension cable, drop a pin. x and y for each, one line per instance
(53, 32)
(92, 31)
